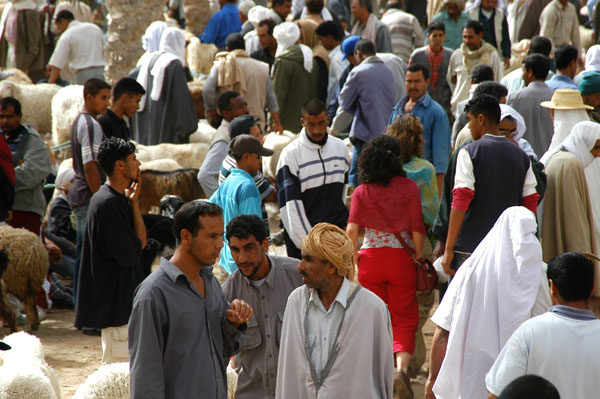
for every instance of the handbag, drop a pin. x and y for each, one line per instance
(427, 278)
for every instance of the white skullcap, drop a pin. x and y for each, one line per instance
(257, 14)
(286, 34)
(245, 6)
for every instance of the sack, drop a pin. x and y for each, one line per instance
(427, 278)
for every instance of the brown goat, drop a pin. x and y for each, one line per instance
(156, 184)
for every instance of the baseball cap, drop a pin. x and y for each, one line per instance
(246, 144)
(241, 125)
(4, 347)
(348, 45)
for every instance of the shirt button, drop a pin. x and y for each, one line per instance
(268, 335)
(266, 316)
(262, 297)
(270, 355)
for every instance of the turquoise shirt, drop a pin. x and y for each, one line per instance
(453, 29)
(423, 173)
(237, 196)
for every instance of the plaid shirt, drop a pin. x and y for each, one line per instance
(435, 64)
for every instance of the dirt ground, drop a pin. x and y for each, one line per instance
(74, 356)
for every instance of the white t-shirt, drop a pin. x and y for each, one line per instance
(80, 46)
(556, 346)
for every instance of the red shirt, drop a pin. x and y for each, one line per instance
(435, 64)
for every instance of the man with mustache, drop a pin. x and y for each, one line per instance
(264, 281)
(436, 128)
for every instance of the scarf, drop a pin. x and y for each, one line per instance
(473, 57)
(369, 32)
(329, 242)
(507, 110)
(230, 74)
(592, 58)
(564, 120)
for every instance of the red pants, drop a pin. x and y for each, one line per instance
(390, 274)
(27, 220)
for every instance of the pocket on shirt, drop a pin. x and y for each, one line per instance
(251, 338)
(279, 325)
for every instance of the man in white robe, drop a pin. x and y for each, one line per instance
(336, 340)
(501, 285)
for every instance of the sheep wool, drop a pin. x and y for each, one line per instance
(110, 381)
(27, 268)
(187, 155)
(66, 105)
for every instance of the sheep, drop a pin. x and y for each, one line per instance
(6, 313)
(204, 134)
(35, 102)
(200, 57)
(187, 155)
(156, 184)
(66, 105)
(196, 87)
(15, 75)
(277, 143)
(112, 381)
(109, 381)
(164, 165)
(24, 373)
(27, 268)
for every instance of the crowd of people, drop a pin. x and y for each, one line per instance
(463, 154)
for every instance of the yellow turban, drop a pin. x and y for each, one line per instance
(329, 242)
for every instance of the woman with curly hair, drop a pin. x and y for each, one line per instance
(387, 206)
(409, 131)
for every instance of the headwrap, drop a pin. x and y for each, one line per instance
(507, 110)
(258, 14)
(477, 3)
(329, 242)
(564, 121)
(459, 3)
(151, 38)
(171, 48)
(590, 83)
(63, 178)
(308, 32)
(579, 143)
(245, 6)
(287, 34)
(592, 58)
(325, 14)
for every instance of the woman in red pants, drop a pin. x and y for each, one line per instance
(387, 204)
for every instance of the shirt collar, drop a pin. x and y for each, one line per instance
(270, 279)
(241, 172)
(173, 272)
(341, 297)
(563, 78)
(573, 313)
(425, 100)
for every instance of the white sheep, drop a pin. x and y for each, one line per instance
(26, 271)
(24, 373)
(163, 165)
(204, 134)
(187, 155)
(35, 102)
(200, 56)
(66, 105)
(277, 143)
(111, 381)
(15, 75)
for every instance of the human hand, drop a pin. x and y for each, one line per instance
(133, 192)
(447, 262)
(54, 252)
(277, 127)
(507, 63)
(438, 250)
(239, 312)
(429, 389)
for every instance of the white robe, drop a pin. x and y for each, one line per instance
(364, 366)
(500, 286)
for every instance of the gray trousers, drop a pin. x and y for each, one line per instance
(83, 75)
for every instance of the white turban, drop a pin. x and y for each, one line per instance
(245, 6)
(173, 42)
(151, 38)
(258, 14)
(507, 110)
(287, 34)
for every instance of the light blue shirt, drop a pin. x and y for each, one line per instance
(561, 82)
(323, 325)
(453, 29)
(237, 196)
(221, 24)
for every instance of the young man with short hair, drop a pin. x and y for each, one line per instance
(265, 282)
(331, 34)
(182, 328)
(268, 44)
(564, 337)
(566, 58)
(126, 97)
(238, 194)
(86, 137)
(492, 174)
(111, 266)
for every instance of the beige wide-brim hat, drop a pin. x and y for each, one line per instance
(566, 99)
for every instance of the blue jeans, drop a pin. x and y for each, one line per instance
(81, 217)
(353, 174)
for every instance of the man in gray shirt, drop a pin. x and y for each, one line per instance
(265, 282)
(182, 328)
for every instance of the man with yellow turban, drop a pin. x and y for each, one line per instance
(332, 325)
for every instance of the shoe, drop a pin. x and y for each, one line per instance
(402, 386)
(91, 331)
(277, 239)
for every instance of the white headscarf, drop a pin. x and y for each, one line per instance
(171, 48)
(477, 3)
(287, 34)
(592, 58)
(507, 110)
(258, 14)
(151, 38)
(325, 14)
(500, 286)
(581, 140)
(564, 121)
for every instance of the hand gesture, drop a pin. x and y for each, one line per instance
(133, 192)
(447, 262)
(239, 312)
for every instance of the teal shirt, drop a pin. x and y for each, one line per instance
(237, 196)
(423, 173)
(453, 29)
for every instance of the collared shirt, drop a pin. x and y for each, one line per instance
(113, 126)
(259, 350)
(561, 82)
(264, 56)
(405, 30)
(208, 174)
(237, 196)
(436, 129)
(323, 325)
(178, 339)
(80, 46)
(435, 64)
(336, 68)
(560, 24)
(221, 24)
(453, 29)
